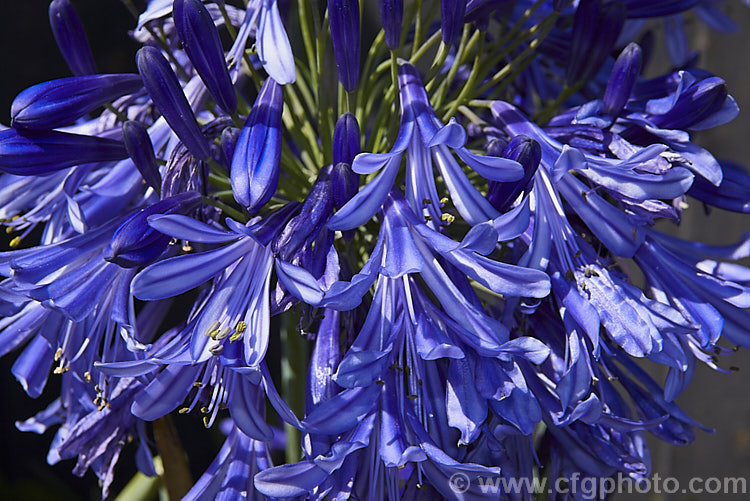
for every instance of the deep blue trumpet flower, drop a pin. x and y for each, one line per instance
(242, 264)
(141, 151)
(407, 245)
(135, 243)
(452, 20)
(71, 38)
(201, 42)
(165, 91)
(255, 164)
(60, 102)
(627, 179)
(231, 473)
(343, 17)
(662, 110)
(391, 15)
(29, 153)
(93, 433)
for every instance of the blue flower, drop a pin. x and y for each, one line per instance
(230, 475)
(421, 135)
(96, 433)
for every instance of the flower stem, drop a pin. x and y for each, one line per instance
(177, 477)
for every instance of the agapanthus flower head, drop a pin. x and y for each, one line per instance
(471, 311)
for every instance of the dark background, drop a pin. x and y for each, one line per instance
(28, 55)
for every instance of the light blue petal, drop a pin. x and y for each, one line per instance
(274, 49)
(342, 412)
(492, 168)
(166, 392)
(299, 282)
(363, 206)
(452, 135)
(187, 228)
(569, 159)
(179, 274)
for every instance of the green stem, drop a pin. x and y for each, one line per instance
(225, 15)
(417, 27)
(469, 85)
(293, 378)
(142, 487)
(226, 209)
(177, 477)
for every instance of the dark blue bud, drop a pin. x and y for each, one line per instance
(255, 164)
(201, 42)
(392, 15)
(622, 79)
(141, 151)
(229, 137)
(135, 243)
(452, 20)
(316, 210)
(59, 102)
(495, 146)
(30, 153)
(343, 18)
(695, 104)
(346, 139)
(70, 38)
(596, 28)
(526, 152)
(166, 93)
(345, 184)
